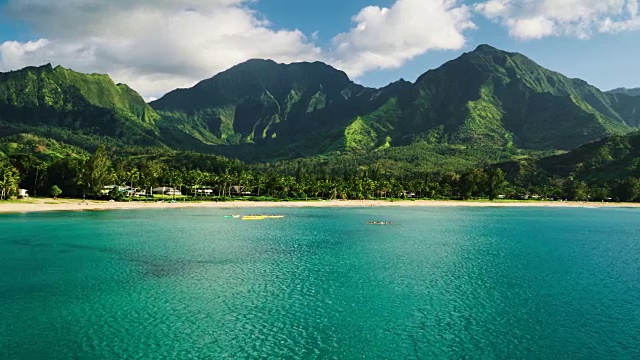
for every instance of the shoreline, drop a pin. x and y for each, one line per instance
(48, 205)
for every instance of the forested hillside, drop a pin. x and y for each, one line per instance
(83, 109)
(486, 124)
(485, 98)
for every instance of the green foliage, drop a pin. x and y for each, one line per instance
(359, 136)
(496, 182)
(55, 191)
(257, 102)
(260, 111)
(364, 176)
(96, 171)
(628, 189)
(116, 194)
(43, 148)
(603, 170)
(306, 131)
(9, 179)
(488, 97)
(46, 97)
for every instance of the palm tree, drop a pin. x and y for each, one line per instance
(9, 179)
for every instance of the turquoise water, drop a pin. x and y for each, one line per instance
(477, 283)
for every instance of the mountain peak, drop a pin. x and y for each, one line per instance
(488, 50)
(485, 48)
(255, 78)
(257, 61)
(251, 63)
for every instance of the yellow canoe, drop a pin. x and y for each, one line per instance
(253, 217)
(261, 217)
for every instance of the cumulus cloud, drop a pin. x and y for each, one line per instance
(528, 19)
(156, 46)
(152, 46)
(388, 37)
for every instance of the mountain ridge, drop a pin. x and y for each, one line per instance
(486, 97)
(48, 97)
(260, 110)
(625, 91)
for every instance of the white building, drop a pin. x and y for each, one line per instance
(166, 191)
(203, 191)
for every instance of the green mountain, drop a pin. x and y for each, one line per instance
(485, 98)
(483, 107)
(44, 148)
(625, 91)
(260, 102)
(74, 107)
(608, 159)
(603, 170)
(494, 97)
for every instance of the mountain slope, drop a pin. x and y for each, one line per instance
(261, 111)
(625, 91)
(54, 101)
(611, 158)
(261, 101)
(492, 97)
(487, 97)
(600, 171)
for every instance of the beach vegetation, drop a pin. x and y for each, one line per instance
(55, 191)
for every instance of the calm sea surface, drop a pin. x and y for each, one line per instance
(439, 283)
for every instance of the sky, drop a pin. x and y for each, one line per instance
(156, 46)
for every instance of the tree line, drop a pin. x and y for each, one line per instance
(77, 177)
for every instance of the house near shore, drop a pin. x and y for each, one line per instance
(408, 194)
(238, 190)
(125, 190)
(201, 191)
(164, 190)
(23, 193)
(106, 190)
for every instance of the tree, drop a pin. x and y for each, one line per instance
(97, 171)
(55, 191)
(67, 174)
(628, 190)
(9, 179)
(473, 184)
(150, 171)
(576, 190)
(30, 168)
(116, 194)
(496, 182)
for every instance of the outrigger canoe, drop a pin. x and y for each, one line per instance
(261, 217)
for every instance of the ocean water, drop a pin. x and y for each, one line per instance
(438, 283)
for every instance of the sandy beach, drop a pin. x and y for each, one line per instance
(38, 205)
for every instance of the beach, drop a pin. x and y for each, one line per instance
(42, 205)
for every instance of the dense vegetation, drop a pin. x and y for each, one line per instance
(488, 124)
(603, 171)
(486, 98)
(77, 108)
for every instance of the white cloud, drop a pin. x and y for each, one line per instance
(388, 37)
(156, 46)
(13, 53)
(152, 46)
(528, 19)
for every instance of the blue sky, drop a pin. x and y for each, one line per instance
(157, 46)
